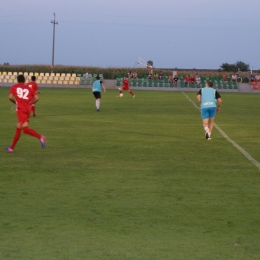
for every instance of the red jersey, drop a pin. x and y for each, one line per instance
(126, 83)
(33, 85)
(23, 95)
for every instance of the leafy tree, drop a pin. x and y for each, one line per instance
(228, 67)
(239, 65)
(242, 66)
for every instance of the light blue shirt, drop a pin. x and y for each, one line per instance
(208, 98)
(97, 86)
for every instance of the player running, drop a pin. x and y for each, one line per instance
(208, 97)
(96, 89)
(125, 87)
(32, 84)
(23, 96)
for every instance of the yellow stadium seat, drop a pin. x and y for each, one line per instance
(15, 73)
(30, 73)
(41, 74)
(57, 75)
(63, 74)
(68, 75)
(36, 73)
(48, 81)
(10, 73)
(52, 75)
(43, 81)
(54, 81)
(66, 82)
(4, 73)
(74, 75)
(72, 82)
(47, 74)
(60, 82)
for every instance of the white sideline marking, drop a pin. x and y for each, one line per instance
(239, 148)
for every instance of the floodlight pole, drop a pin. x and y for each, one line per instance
(53, 41)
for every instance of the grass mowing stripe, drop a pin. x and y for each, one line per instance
(239, 148)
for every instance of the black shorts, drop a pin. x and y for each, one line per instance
(97, 94)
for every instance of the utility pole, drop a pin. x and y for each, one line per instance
(53, 41)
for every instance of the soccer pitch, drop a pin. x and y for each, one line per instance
(137, 180)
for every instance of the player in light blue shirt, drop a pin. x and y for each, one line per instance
(210, 102)
(96, 89)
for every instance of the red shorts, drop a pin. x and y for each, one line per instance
(125, 88)
(23, 116)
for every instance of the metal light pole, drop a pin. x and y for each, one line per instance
(53, 41)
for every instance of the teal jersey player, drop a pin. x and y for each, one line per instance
(210, 102)
(96, 89)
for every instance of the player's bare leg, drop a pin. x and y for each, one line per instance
(211, 125)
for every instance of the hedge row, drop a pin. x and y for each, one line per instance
(108, 73)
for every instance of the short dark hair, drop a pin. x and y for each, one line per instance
(97, 77)
(21, 78)
(210, 84)
(33, 78)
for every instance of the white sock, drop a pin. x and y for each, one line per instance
(206, 129)
(209, 133)
(97, 104)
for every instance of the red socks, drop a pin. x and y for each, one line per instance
(31, 132)
(131, 93)
(16, 137)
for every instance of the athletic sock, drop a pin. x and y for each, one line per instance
(131, 93)
(16, 137)
(206, 129)
(209, 133)
(31, 132)
(97, 104)
(33, 109)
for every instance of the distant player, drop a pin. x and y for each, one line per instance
(210, 102)
(23, 96)
(32, 84)
(96, 89)
(126, 87)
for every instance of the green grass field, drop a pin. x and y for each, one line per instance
(136, 181)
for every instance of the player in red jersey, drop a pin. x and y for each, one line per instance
(23, 96)
(126, 87)
(32, 84)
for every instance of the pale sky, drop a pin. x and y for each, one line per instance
(199, 34)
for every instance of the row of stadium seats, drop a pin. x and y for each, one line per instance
(181, 84)
(92, 76)
(36, 74)
(42, 80)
